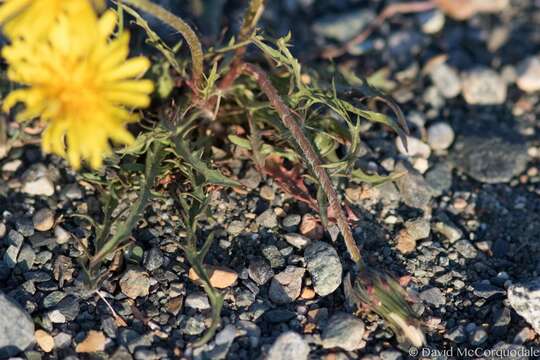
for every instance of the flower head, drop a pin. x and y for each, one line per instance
(83, 97)
(33, 19)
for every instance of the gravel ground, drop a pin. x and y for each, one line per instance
(464, 222)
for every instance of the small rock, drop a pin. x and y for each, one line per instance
(236, 227)
(267, 193)
(414, 230)
(291, 222)
(220, 277)
(153, 259)
(439, 178)
(287, 346)
(432, 21)
(344, 331)
(260, 271)
(415, 147)
(524, 298)
(414, 190)
(94, 342)
(42, 186)
(61, 235)
(311, 227)
(324, 266)
(446, 80)
(297, 240)
(483, 86)
(135, 283)
(43, 219)
(14, 339)
(491, 158)
(197, 300)
(465, 248)
(433, 296)
(440, 136)
(528, 72)
(44, 340)
(273, 255)
(485, 290)
(268, 219)
(343, 27)
(448, 230)
(391, 355)
(478, 336)
(286, 286)
(26, 257)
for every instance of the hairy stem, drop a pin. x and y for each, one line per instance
(183, 28)
(311, 155)
(251, 18)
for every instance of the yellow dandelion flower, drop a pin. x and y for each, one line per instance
(33, 19)
(84, 100)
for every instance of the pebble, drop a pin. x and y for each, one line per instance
(528, 74)
(448, 230)
(135, 283)
(43, 219)
(61, 235)
(220, 277)
(440, 136)
(414, 190)
(446, 80)
(44, 340)
(286, 286)
(491, 158)
(431, 22)
(273, 255)
(483, 86)
(291, 222)
(297, 240)
(465, 248)
(324, 266)
(39, 187)
(260, 271)
(153, 259)
(433, 296)
(26, 257)
(524, 298)
(267, 219)
(287, 346)
(14, 339)
(311, 227)
(267, 193)
(343, 331)
(439, 177)
(343, 27)
(415, 147)
(197, 300)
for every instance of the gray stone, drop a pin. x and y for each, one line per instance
(273, 255)
(268, 219)
(432, 21)
(297, 240)
(25, 226)
(491, 158)
(418, 228)
(485, 290)
(291, 222)
(193, 326)
(415, 191)
(133, 340)
(478, 336)
(26, 257)
(524, 298)
(61, 235)
(483, 86)
(448, 230)
(440, 136)
(457, 335)
(287, 346)
(390, 355)
(153, 259)
(16, 327)
(286, 286)
(260, 271)
(135, 283)
(446, 80)
(433, 296)
(465, 248)
(439, 178)
(197, 300)
(528, 74)
(42, 186)
(343, 27)
(43, 219)
(344, 331)
(324, 266)
(236, 227)
(219, 348)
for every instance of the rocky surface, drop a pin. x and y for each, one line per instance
(460, 226)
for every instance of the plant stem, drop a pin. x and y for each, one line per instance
(183, 28)
(251, 18)
(153, 160)
(311, 155)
